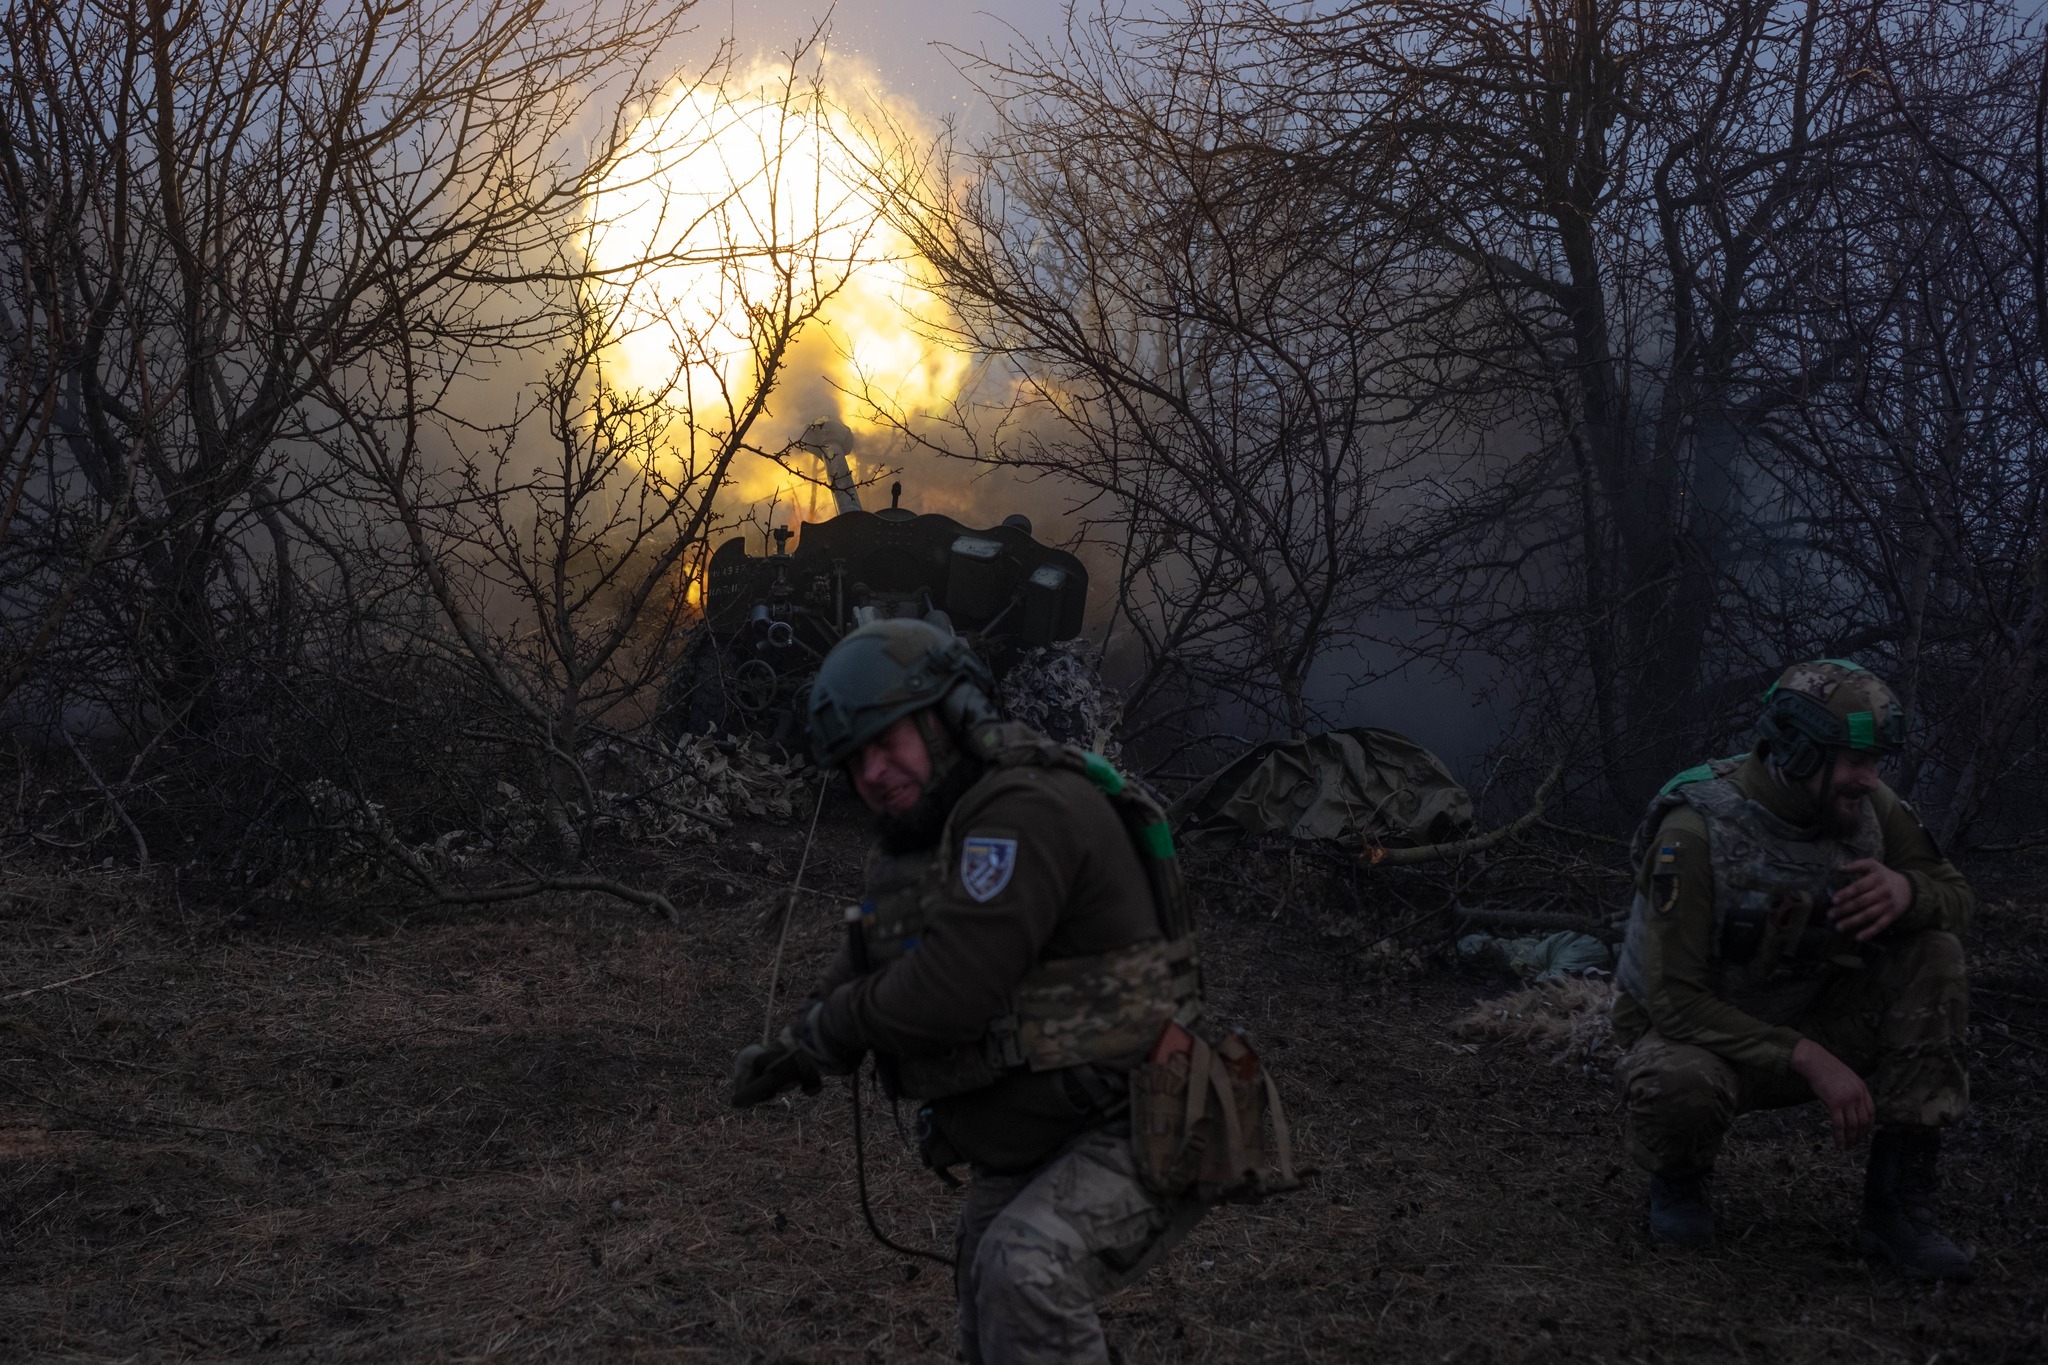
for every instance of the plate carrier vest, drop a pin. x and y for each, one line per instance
(1104, 1007)
(1772, 884)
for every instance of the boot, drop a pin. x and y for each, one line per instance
(1899, 1221)
(1679, 1215)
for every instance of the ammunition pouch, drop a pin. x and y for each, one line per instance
(1787, 936)
(1101, 1094)
(1199, 1107)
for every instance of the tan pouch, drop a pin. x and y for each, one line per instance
(1199, 1106)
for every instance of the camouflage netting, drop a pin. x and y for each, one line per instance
(1057, 690)
(668, 795)
(1346, 786)
(685, 793)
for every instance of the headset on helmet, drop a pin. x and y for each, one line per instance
(886, 670)
(1828, 704)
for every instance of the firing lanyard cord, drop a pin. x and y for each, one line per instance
(789, 908)
(860, 1177)
(860, 1160)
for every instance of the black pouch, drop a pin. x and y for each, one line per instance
(933, 1149)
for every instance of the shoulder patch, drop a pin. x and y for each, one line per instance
(986, 865)
(1664, 879)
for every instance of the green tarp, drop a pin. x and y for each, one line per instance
(1347, 786)
(1555, 957)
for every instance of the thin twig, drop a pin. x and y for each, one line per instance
(141, 845)
(1400, 929)
(59, 985)
(789, 910)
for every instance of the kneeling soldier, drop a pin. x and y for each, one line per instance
(1010, 966)
(1794, 937)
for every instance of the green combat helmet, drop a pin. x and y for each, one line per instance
(881, 673)
(1828, 704)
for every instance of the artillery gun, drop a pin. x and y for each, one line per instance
(770, 618)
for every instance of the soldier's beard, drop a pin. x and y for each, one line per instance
(1841, 816)
(953, 772)
(1840, 809)
(1817, 805)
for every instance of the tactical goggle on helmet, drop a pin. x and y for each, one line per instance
(1829, 704)
(880, 673)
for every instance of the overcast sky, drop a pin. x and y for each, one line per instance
(903, 40)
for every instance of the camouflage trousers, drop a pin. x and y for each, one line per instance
(1037, 1251)
(1898, 1024)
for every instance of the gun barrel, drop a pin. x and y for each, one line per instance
(830, 441)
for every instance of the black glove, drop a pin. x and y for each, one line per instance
(798, 1056)
(760, 1073)
(812, 1040)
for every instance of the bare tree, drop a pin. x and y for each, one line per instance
(560, 541)
(1924, 471)
(1199, 340)
(1619, 194)
(218, 219)
(1565, 327)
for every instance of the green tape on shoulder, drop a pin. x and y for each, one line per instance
(1703, 773)
(1862, 730)
(1158, 840)
(1103, 775)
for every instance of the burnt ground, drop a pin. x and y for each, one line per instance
(502, 1135)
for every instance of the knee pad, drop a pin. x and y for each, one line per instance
(1679, 1091)
(1016, 1258)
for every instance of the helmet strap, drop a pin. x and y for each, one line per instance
(1816, 802)
(1827, 779)
(939, 744)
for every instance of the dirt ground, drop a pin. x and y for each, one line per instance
(502, 1135)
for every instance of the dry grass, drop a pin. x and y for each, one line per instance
(505, 1138)
(1567, 1023)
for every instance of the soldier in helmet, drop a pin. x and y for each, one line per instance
(1009, 966)
(1794, 937)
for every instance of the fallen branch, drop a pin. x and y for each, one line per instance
(59, 985)
(1478, 843)
(513, 891)
(1592, 836)
(535, 884)
(2026, 844)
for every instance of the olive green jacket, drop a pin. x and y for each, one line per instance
(1075, 888)
(1677, 946)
